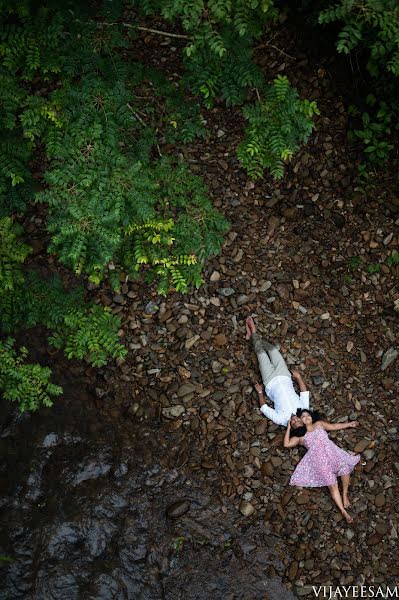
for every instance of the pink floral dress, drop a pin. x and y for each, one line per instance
(323, 461)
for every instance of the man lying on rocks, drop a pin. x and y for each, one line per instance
(277, 381)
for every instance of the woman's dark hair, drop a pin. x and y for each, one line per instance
(300, 431)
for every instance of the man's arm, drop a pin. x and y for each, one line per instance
(303, 388)
(300, 381)
(266, 410)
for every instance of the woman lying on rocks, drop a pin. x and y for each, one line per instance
(277, 380)
(323, 461)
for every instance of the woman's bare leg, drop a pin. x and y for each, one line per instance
(345, 485)
(336, 496)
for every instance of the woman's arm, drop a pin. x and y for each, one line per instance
(337, 426)
(291, 442)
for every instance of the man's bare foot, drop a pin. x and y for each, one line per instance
(346, 501)
(347, 517)
(250, 327)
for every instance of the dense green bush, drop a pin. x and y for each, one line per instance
(25, 383)
(80, 328)
(371, 25)
(277, 127)
(220, 34)
(370, 29)
(13, 254)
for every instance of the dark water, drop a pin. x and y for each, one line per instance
(95, 507)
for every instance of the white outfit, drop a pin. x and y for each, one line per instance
(285, 399)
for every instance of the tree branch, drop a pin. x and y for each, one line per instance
(149, 29)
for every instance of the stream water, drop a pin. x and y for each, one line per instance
(93, 509)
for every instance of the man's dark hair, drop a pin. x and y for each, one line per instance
(300, 431)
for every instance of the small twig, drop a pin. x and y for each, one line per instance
(136, 115)
(266, 44)
(275, 47)
(158, 32)
(257, 94)
(149, 29)
(282, 52)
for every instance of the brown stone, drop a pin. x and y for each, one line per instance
(220, 339)
(302, 499)
(379, 500)
(293, 570)
(374, 539)
(362, 445)
(267, 469)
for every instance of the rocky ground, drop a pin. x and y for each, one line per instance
(301, 257)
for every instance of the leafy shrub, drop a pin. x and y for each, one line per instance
(371, 28)
(228, 76)
(218, 53)
(25, 383)
(12, 255)
(277, 127)
(369, 24)
(375, 132)
(104, 193)
(81, 329)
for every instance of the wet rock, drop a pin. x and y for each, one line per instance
(291, 213)
(178, 508)
(92, 470)
(50, 440)
(63, 539)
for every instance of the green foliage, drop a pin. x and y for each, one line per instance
(28, 49)
(81, 329)
(176, 246)
(102, 180)
(277, 127)
(393, 260)
(374, 133)
(228, 76)
(354, 263)
(25, 383)
(371, 28)
(370, 24)
(218, 55)
(374, 268)
(204, 19)
(12, 255)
